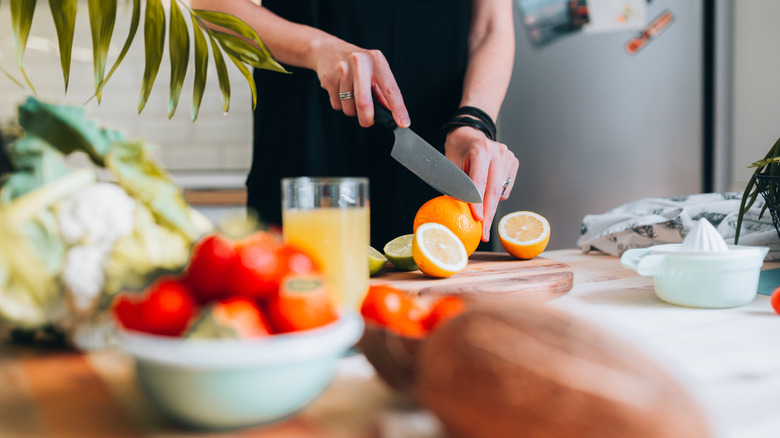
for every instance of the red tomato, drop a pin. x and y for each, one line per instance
(262, 262)
(127, 310)
(303, 303)
(296, 262)
(166, 308)
(775, 300)
(257, 271)
(241, 314)
(442, 310)
(393, 309)
(212, 260)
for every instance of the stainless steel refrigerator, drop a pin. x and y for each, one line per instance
(594, 126)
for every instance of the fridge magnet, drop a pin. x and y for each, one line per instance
(549, 20)
(655, 28)
(616, 15)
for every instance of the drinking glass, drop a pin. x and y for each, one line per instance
(329, 219)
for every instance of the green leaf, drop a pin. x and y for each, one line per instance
(22, 12)
(229, 22)
(239, 26)
(765, 162)
(102, 16)
(179, 53)
(201, 67)
(64, 14)
(774, 168)
(154, 44)
(248, 75)
(246, 52)
(134, 23)
(222, 73)
(743, 207)
(13, 79)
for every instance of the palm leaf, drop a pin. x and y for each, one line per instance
(201, 67)
(21, 20)
(222, 73)
(154, 44)
(242, 45)
(102, 16)
(235, 24)
(247, 74)
(64, 14)
(244, 51)
(135, 21)
(179, 52)
(13, 79)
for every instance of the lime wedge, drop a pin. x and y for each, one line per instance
(399, 252)
(376, 261)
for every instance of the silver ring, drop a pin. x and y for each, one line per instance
(346, 95)
(505, 185)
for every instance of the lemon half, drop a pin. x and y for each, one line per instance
(524, 234)
(437, 251)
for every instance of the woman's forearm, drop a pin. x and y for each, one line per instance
(491, 55)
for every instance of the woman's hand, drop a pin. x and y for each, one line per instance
(346, 68)
(489, 164)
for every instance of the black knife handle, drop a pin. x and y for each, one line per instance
(383, 116)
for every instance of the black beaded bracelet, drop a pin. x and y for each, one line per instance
(458, 122)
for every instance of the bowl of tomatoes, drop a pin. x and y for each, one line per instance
(248, 334)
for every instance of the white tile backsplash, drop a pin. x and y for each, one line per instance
(217, 143)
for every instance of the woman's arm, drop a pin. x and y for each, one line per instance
(340, 66)
(491, 58)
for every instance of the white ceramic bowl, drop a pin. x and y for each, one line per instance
(219, 384)
(695, 279)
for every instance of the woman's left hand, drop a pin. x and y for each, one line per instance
(489, 164)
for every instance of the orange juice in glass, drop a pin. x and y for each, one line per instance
(329, 219)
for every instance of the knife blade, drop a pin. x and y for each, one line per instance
(426, 162)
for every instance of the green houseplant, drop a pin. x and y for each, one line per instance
(225, 35)
(765, 181)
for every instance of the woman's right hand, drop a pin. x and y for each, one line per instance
(343, 67)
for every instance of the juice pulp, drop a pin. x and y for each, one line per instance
(337, 238)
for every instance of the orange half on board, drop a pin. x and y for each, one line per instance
(524, 234)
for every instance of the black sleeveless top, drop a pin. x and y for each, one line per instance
(297, 132)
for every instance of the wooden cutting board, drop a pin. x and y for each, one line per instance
(489, 276)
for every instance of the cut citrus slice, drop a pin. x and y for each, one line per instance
(524, 234)
(399, 252)
(437, 251)
(376, 261)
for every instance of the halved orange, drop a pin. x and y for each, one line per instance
(524, 234)
(437, 251)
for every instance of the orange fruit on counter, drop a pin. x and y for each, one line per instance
(453, 214)
(437, 251)
(524, 234)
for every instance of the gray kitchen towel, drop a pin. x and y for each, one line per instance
(656, 221)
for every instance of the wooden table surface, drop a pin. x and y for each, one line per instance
(728, 359)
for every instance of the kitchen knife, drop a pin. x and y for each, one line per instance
(426, 162)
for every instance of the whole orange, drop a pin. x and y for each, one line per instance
(453, 214)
